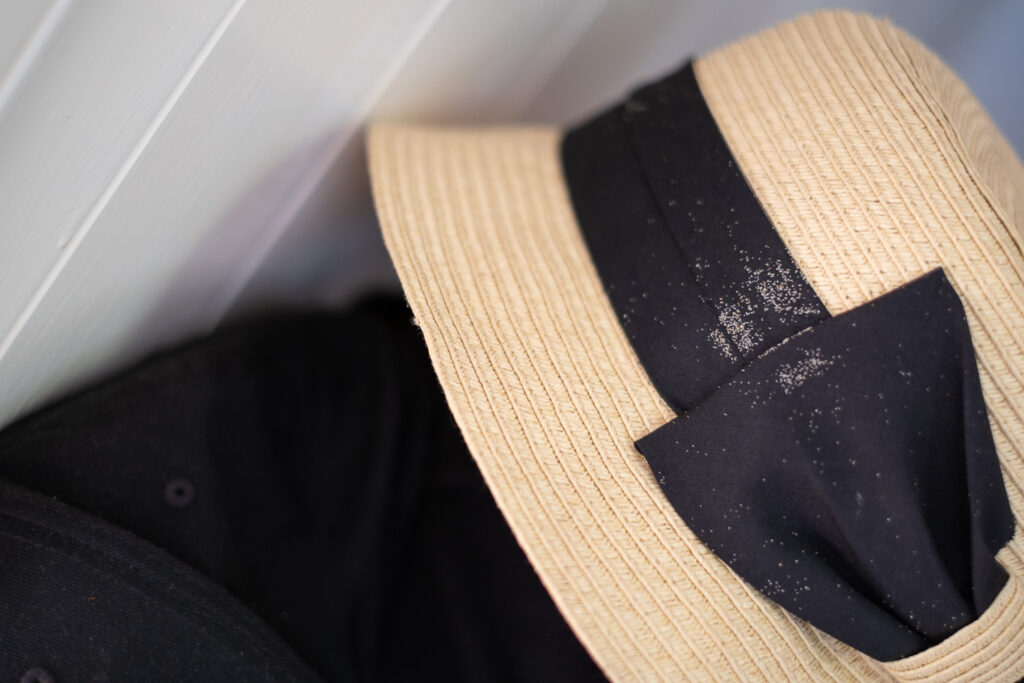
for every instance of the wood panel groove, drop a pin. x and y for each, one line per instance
(22, 65)
(71, 245)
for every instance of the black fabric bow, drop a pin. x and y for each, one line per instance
(844, 466)
(849, 474)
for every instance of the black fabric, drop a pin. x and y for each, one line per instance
(81, 600)
(309, 466)
(700, 279)
(843, 466)
(863, 491)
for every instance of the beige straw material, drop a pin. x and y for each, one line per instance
(550, 396)
(852, 136)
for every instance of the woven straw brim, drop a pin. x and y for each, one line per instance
(875, 166)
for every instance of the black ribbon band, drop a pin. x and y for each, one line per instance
(699, 276)
(844, 466)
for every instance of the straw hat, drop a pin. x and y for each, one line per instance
(875, 165)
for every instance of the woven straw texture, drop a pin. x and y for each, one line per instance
(874, 164)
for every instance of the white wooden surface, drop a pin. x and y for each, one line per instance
(165, 166)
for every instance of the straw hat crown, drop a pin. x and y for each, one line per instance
(874, 164)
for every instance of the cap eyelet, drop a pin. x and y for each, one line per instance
(37, 674)
(179, 492)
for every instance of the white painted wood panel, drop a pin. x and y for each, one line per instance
(171, 221)
(25, 29)
(70, 127)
